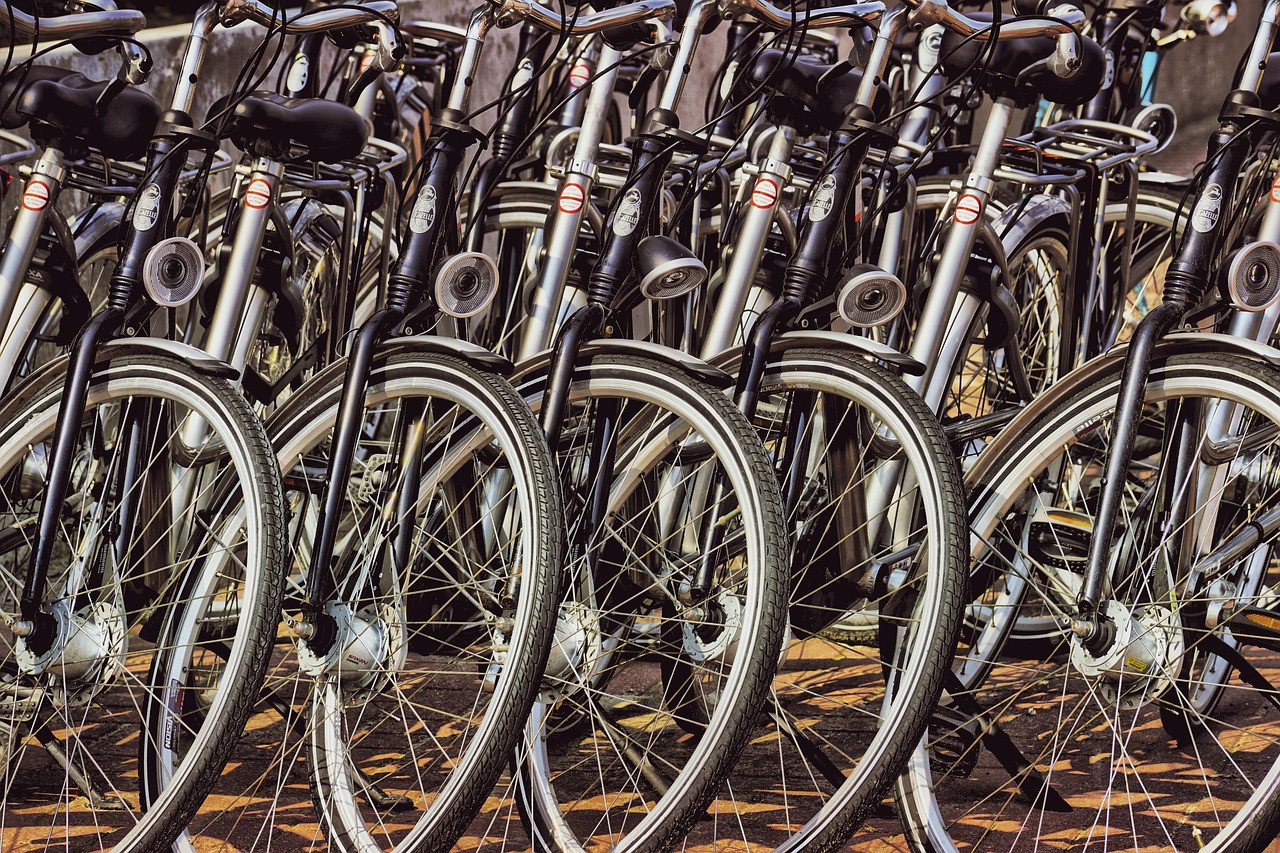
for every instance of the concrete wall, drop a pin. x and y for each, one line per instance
(230, 48)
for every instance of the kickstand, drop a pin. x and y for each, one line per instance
(380, 798)
(96, 798)
(634, 756)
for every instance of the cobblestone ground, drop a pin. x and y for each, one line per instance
(249, 820)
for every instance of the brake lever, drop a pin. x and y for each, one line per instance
(383, 55)
(137, 64)
(135, 67)
(1065, 60)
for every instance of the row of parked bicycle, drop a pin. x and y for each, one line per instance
(380, 469)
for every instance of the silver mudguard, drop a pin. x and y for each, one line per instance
(473, 354)
(199, 360)
(1178, 343)
(693, 366)
(838, 341)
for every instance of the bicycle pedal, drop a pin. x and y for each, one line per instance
(1060, 538)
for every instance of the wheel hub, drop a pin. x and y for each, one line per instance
(368, 649)
(87, 651)
(711, 629)
(1142, 658)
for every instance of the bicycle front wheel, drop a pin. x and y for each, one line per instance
(671, 625)
(875, 508)
(1169, 737)
(164, 588)
(445, 584)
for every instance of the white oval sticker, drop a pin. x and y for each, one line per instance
(1205, 217)
(579, 75)
(628, 214)
(299, 73)
(524, 74)
(823, 199)
(147, 211)
(424, 210)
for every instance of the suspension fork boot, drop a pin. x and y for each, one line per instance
(555, 398)
(746, 392)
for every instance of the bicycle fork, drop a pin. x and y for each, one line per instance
(36, 627)
(1185, 285)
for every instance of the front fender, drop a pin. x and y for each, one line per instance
(1177, 343)
(95, 225)
(473, 354)
(199, 360)
(821, 339)
(691, 365)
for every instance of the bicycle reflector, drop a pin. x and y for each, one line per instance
(667, 269)
(173, 271)
(466, 284)
(1253, 276)
(870, 296)
(1159, 120)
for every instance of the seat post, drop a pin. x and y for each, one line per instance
(40, 193)
(256, 201)
(935, 319)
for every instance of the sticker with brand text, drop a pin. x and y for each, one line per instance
(257, 194)
(1205, 217)
(824, 198)
(571, 198)
(299, 73)
(628, 216)
(424, 210)
(147, 210)
(968, 209)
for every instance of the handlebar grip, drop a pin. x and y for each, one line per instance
(79, 25)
